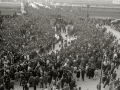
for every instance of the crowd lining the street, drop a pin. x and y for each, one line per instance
(93, 49)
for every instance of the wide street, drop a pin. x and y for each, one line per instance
(88, 84)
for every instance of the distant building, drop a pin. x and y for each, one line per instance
(116, 2)
(11, 8)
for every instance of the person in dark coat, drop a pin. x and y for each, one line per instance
(79, 88)
(71, 85)
(49, 80)
(7, 83)
(45, 80)
(27, 86)
(117, 63)
(112, 69)
(107, 81)
(11, 84)
(104, 78)
(27, 75)
(59, 76)
(89, 73)
(109, 67)
(74, 82)
(69, 79)
(24, 83)
(50, 73)
(61, 73)
(34, 85)
(55, 66)
(54, 75)
(92, 72)
(31, 79)
(37, 80)
(21, 78)
(62, 82)
(65, 74)
(78, 74)
(114, 75)
(83, 74)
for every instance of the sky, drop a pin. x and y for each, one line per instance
(86, 1)
(96, 1)
(75, 1)
(89, 1)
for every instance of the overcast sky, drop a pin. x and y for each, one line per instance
(74, 1)
(80, 1)
(97, 1)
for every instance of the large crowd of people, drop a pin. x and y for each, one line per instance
(93, 50)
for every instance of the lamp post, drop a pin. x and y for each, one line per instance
(88, 6)
(87, 13)
(101, 76)
(4, 76)
(1, 20)
(101, 58)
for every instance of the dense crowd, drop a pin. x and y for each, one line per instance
(93, 49)
(82, 58)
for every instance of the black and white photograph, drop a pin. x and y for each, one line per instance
(59, 44)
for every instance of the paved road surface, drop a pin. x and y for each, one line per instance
(116, 33)
(89, 84)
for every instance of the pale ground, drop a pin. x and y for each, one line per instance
(89, 84)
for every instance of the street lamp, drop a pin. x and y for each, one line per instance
(102, 59)
(88, 9)
(88, 6)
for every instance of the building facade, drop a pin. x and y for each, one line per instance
(11, 8)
